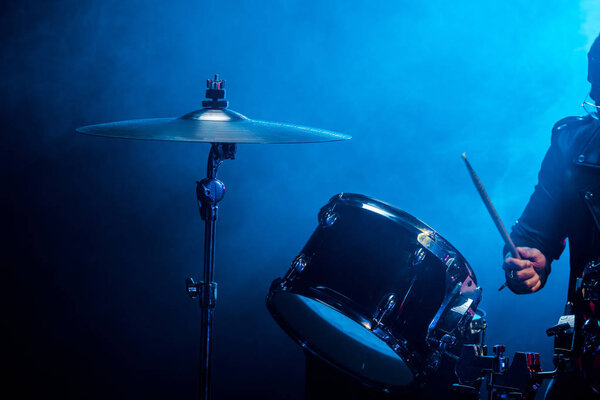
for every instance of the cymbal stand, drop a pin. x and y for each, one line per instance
(210, 191)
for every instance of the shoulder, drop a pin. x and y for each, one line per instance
(570, 132)
(572, 124)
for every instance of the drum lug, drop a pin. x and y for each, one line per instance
(328, 217)
(418, 256)
(382, 311)
(298, 265)
(452, 268)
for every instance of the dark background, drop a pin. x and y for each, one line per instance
(99, 235)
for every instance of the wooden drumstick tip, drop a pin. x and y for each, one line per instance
(464, 156)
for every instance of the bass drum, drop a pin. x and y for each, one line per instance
(376, 293)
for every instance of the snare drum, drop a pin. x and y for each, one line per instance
(377, 293)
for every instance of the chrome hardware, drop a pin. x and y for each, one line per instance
(417, 257)
(299, 263)
(215, 91)
(589, 195)
(297, 267)
(328, 217)
(581, 158)
(500, 362)
(499, 350)
(206, 292)
(447, 345)
(383, 310)
(453, 270)
(191, 287)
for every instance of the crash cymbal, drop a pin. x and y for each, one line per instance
(214, 124)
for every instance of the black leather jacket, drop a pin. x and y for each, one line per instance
(566, 200)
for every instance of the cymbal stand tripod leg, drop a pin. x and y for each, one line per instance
(210, 191)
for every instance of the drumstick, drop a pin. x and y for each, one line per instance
(492, 211)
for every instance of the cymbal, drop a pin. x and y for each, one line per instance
(212, 125)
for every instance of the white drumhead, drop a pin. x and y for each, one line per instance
(341, 340)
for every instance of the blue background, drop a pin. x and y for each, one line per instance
(100, 233)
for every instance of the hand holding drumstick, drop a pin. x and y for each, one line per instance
(526, 273)
(525, 268)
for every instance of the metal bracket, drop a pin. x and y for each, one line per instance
(206, 292)
(219, 152)
(210, 191)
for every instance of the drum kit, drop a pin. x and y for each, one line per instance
(375, 294)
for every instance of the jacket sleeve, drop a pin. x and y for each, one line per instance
(542, 224)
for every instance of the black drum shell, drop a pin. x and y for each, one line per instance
(363, 253)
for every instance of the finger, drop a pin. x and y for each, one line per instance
(531, 282)
(537, 286)
(525, 274)
(523, 251)
(515, 263)
(511, 263)
(529, 253)
(513, 278)
(519, 287)
(522, 287)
